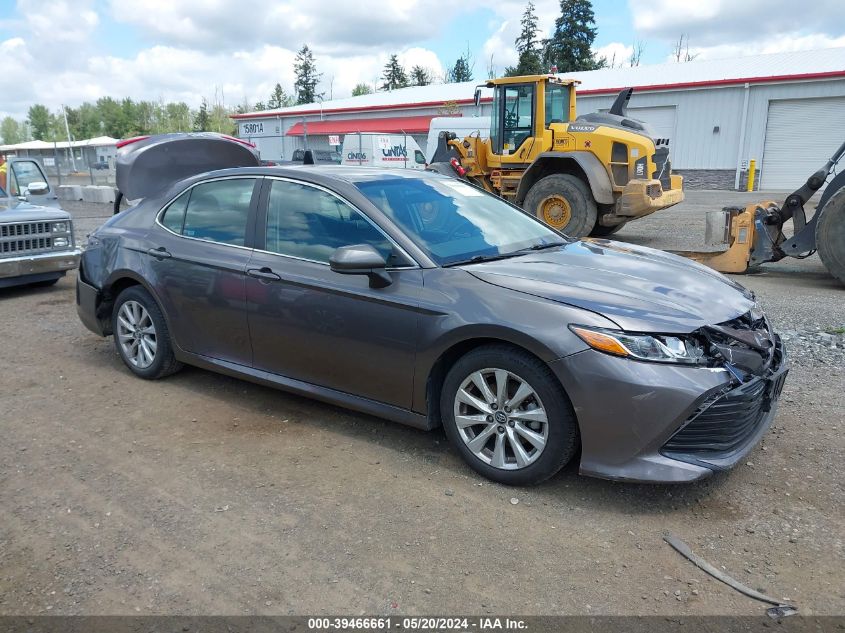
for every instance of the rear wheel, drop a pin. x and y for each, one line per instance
(507, 416)
(564, 202)
(141, 336)
(830, 235)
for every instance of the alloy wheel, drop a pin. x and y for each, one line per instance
(136, 334)
(501, 419)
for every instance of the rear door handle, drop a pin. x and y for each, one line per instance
(159, 253)
(264, 274)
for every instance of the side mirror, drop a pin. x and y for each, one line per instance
(38, 188)
(361, 259)
(477, 97)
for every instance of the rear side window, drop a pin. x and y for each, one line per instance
(217, 211)
(173, 217)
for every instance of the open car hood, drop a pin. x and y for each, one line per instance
(149, 165)
(640, 289)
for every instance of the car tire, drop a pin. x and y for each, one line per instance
(141, 336)
(504, 436)
(564, 202)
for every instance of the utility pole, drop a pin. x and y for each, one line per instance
(69, 142)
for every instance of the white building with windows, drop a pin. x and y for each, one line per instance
(786, 111)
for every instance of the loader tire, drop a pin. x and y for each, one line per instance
(830, 235)
(564, 202)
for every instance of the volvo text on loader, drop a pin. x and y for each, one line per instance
(585, 175)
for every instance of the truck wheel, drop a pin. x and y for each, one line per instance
(830, 235)
(564, 202)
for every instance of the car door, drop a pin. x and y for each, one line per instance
(198, 252)
(312, 324)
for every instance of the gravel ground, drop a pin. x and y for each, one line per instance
(205, 494)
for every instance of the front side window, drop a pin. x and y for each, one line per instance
(456, 222)
(216, 211)
(309, 223)
(518, 116)
(24, 173)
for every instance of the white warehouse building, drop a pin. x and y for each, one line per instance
(785, 111)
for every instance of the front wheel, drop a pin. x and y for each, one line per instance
(507, 415)
(141, 335)
(564, 202)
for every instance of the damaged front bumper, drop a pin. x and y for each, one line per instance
(667, 423)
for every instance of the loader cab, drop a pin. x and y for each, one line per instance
(524, 108)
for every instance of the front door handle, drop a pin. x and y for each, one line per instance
(264, 274)
(159, 253)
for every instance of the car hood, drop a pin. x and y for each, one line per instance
(640, 289)
(21, 211)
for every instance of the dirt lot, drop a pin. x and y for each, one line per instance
(205, 494)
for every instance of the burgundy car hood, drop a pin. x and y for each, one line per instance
(641, 289)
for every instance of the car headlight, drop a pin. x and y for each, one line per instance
(60, 242)
(650, 347)
(59, 227)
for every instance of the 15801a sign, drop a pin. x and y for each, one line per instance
(252, 128)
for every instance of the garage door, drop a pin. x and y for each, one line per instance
(801, 134)
(660, 120)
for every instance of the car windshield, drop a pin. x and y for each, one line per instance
(455, 222)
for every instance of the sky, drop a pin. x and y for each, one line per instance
(70, 51)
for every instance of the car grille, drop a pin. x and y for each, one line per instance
(25, 238)
(724, 422)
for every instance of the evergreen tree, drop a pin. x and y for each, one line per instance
(394, 75)
(420, 76)
(461, 71)
(569, 47)
(202, 120)
(40, 121)
(361, 89)
(259, 106)
(528, 47)
(279, 98)
(307, 76)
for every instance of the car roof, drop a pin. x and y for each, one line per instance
(316, 173)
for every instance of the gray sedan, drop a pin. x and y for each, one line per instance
(421, 299)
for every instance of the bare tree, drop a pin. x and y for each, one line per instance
(491, 68)
(681, 49)
(636, 53)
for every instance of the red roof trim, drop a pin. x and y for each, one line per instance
(390, 125)
(689, 84)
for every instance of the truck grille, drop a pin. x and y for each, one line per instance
(25, 238)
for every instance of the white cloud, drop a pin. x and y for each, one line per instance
(616, 53)
(727, 28)
(500, 45)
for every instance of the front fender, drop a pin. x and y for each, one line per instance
(592, 167)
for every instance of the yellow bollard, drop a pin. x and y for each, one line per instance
(752, 171)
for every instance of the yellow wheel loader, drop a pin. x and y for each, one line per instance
(585, 175)
(754, 235)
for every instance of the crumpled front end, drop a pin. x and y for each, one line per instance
(665, 422)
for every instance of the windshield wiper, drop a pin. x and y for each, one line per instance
(540, 247)
(477, 259)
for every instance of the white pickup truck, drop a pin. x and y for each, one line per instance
(36, 236)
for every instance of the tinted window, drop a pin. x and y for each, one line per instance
(174, 216)
(310, 223)
(557, 104)
(218, 211)
(453, 221)
(519, 116)
(419, 157)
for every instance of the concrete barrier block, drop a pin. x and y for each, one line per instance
(69, 192)
(98, 194)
